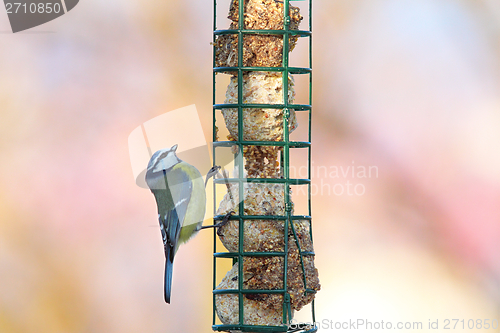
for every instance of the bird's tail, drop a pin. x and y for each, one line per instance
(168, 274)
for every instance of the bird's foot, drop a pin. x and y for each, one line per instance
(222, 223)
(225, 219)
(211, 173)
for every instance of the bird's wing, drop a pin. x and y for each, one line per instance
(172, 205)
(181, 188)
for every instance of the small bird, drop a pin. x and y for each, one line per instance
(180, 196)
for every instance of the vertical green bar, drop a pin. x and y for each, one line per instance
(241, 26)
(286, 117)
(313, 307)
(310, 116)
(214, 124)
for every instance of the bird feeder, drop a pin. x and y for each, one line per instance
(273, 273)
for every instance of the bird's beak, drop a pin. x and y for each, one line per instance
(174, 147)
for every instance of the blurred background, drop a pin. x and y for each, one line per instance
(411, 88)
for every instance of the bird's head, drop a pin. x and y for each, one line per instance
(163, 159)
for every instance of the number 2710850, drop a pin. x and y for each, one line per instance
(32, 8)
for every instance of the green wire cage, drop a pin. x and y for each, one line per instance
(235, 38)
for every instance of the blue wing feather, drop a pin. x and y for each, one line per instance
(180, 187)
(169, 264)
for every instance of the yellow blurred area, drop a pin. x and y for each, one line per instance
(411, 88)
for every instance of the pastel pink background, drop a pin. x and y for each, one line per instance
(411, 87)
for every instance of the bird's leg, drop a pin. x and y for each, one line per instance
(224, 222)
(211, 173)
(225, 219)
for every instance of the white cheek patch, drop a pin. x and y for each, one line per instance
(165, 162)
(159, 166)
(155, 158)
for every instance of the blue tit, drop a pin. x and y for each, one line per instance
(179, 191)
